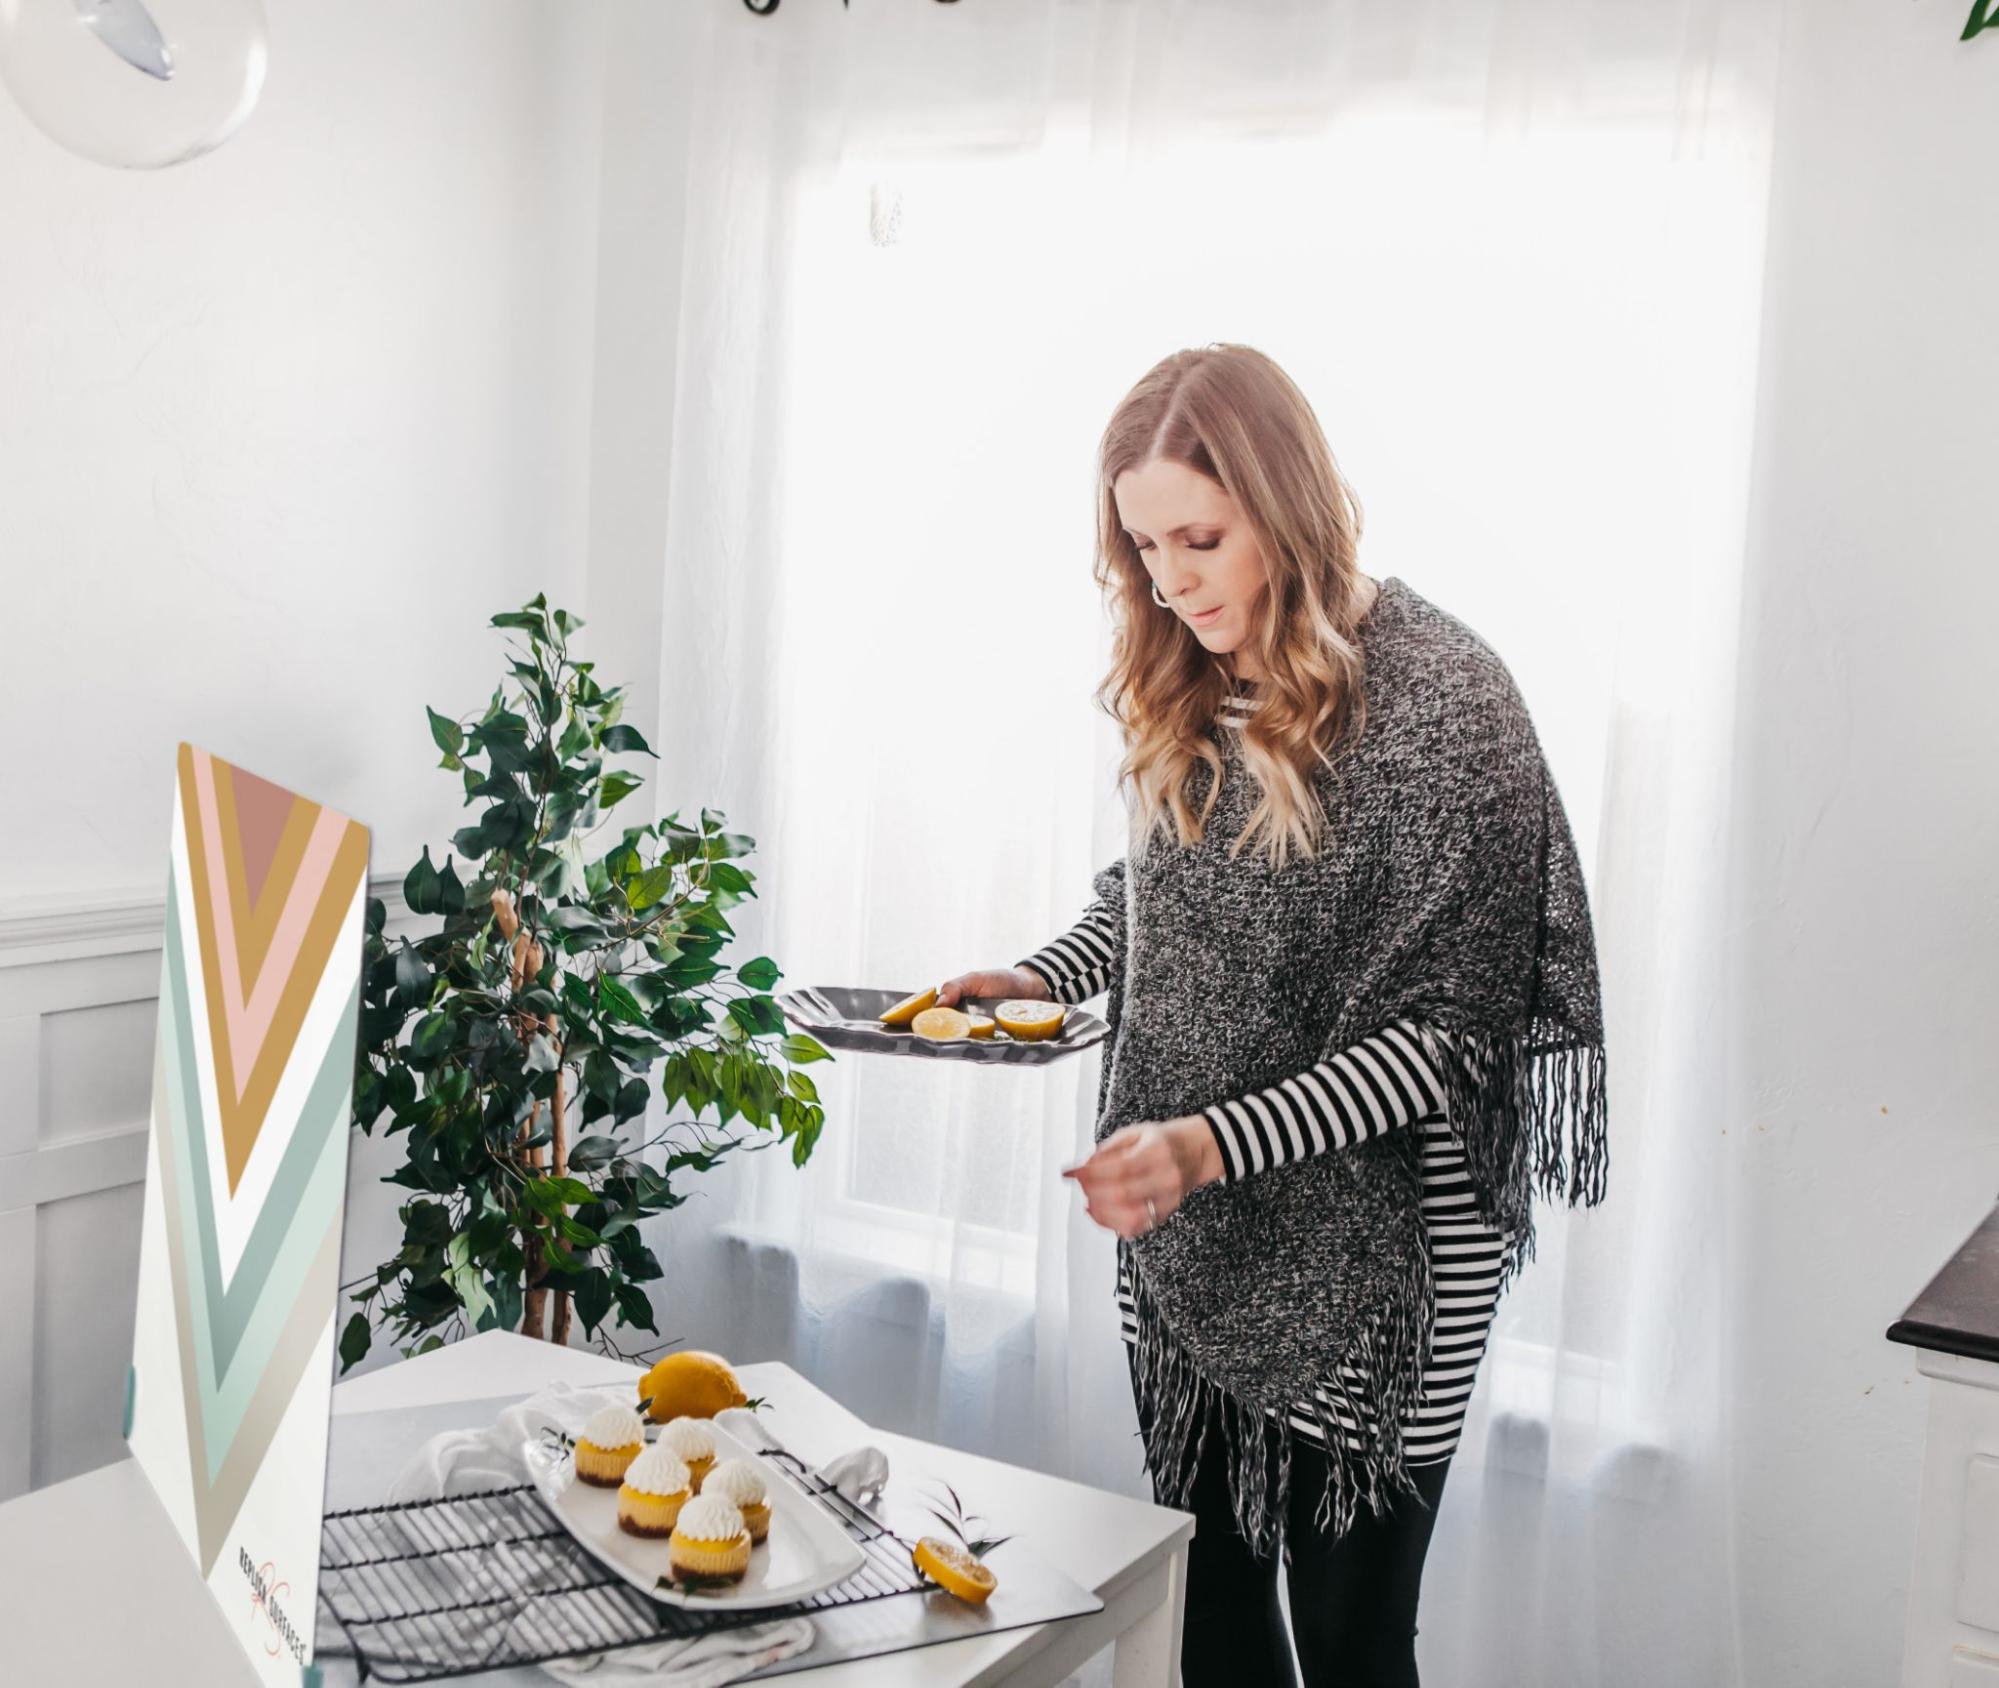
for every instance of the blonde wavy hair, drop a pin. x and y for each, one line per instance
(1230, 413)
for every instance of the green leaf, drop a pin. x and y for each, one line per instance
(450, 736)
(759, 974)
(593, 1299)
(600, 1076)
(432, 1035)
(619, 1003)
(651, 886)
(589, 1153)
(757, 1015)
(801, 1048)
(412, 977)
(421, 889)
(623, 737)
(636, 1306)
(354, 1340)
(633, 1095)
(616, 787)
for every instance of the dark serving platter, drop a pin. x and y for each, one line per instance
(849, 1017)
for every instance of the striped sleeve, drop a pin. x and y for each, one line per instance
(1377, 1085)
(1081, 962)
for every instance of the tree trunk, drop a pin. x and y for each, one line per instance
(534, 1300)
(560, 1336)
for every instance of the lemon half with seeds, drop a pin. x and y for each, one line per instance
(909, 1007)
(950, 1566)
(1030, 1021)
(942, 1024)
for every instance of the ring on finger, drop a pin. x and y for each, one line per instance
(1152, 1214)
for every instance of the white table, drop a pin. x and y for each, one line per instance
(96, 1588)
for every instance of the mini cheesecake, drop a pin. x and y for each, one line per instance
(739, 1480)
(611, 1440)
(655, 1489)
(710, 1542)
(694, 1442)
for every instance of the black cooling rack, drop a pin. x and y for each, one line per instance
(420, 1591)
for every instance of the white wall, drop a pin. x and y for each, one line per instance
(279, 429)
(1865, 1136)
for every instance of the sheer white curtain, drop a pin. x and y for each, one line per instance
(1512, 252)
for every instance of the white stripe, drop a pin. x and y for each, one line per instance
(1315, 1083)
(1363, 1104)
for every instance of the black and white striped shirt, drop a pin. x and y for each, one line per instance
(1384, 1082)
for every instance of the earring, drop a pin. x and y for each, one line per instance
(1161, 602)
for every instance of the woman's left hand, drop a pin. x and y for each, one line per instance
(1139, 1175)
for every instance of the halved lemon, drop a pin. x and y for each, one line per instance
(983, 1025)
(909, 1007)
(950, 1566)
(942, 1023)
(1029, 1020)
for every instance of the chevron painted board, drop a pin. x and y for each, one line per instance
(246, 1175)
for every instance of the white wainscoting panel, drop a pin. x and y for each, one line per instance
(79, 987)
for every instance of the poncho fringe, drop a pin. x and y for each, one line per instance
(1530, 1113)
(1548, 1102)
(1175, 1400)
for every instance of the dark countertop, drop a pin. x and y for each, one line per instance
(1959, 1312)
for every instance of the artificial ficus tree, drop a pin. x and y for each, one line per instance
(515, 1047)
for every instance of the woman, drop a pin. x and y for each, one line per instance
(1355, 1012)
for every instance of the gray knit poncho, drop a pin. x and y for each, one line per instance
(1446, 891)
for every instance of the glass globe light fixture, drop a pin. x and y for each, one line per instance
(134, 83)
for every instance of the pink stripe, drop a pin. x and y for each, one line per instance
(249, 1022)
(222, 921)
(286, 942)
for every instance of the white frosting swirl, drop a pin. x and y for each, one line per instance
(688, 1437)
(735, 1480)
(614, 1427)
(709, 1518)
(658, 1471)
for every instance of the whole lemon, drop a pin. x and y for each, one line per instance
(690, 1383)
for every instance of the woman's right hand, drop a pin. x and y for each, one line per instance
(999, 981)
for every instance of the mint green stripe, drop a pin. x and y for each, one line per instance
(237, 1328)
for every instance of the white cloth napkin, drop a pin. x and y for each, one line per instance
(456, 1462)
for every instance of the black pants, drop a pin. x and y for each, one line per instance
(1353, 1601)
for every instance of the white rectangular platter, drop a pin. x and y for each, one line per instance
(806, 1551)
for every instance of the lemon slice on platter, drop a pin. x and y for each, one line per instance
(983, 1025)
(1030, 1021)
(951, 1567)
(909, 1007)
(942, 1024)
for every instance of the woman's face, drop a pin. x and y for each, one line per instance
(1198, 549)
